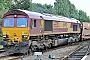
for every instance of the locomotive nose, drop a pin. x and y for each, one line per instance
(11, 36)
(15, 34)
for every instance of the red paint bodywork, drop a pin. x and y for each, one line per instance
(38, 18)
(36, 30)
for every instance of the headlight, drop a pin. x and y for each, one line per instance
(24, 36)
(4, 36)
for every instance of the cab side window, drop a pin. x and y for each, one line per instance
(75, 28)
(33, 23)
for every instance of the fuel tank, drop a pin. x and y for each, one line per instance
(62, 41)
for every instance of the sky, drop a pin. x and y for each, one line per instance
(79, 4)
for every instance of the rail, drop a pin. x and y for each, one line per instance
(2, 50)
(19, 57)
(9, 57)
(79, 52)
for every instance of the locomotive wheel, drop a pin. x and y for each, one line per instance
(76, 40)
(70, 40)
(26, 53)
(29, 51)
(44, 46)
(49, 45)
(34, 48)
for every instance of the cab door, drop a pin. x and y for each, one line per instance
(48, 25)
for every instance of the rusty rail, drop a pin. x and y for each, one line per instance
(2, 50)
(9, 57)
(79, 52)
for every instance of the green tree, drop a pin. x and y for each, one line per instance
(62, 7)
(4, 7)
(48, 9)
(73, 11)
(37, 7)
(21, 4)
(83, 16)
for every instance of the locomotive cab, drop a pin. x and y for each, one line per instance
(15, 31)
(15, 27)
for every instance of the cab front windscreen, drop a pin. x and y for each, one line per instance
(8, 22)
(22, 22)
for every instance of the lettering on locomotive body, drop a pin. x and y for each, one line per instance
(15, 12)
(64, 24)
(56, 24)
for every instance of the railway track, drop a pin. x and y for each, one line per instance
(59, 47)
(2, 50)
(8, 57)
(11, 57)
(23, 56)
(79, 52)
(44, 51)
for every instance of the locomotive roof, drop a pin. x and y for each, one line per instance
(37, 15)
